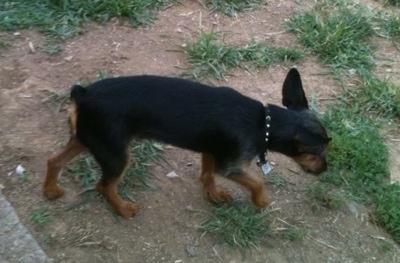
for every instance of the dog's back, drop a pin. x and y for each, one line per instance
(176, 111)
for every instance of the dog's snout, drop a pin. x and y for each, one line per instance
(312, 163)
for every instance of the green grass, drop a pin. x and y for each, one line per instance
(326, 195)
(40, 216)
(357, 153)
(392, 27)
(240, 226)
(232, 7)
(387, 25)
(276, 179)
(393, 2)
(67, 18)
(207, 57)
(385, 247)
(359, 163)
(337, 35)
(378, 96)
(3, 43)
(144, 154)
(294, 233)
(387, 209)
(51, 46)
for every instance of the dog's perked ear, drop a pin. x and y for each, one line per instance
(293, 96)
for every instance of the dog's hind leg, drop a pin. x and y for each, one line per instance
(51, 189)
(113, 165)
(254, 184)
(207, 177)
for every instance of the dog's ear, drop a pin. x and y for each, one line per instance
(293, 96)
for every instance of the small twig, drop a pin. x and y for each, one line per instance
(322, 243)
(275, 33)
(89, 189)
(283, 221)
(322, 99)
(336, 219)
(344, 179)
(91, 244)
(118, 256)
(377, 237)
(281, 229)
(293, 171)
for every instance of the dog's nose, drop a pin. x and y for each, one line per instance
(322, 168)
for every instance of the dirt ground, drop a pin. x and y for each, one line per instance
(167, 225)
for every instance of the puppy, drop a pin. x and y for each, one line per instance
(226, 127)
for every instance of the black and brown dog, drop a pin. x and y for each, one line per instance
(226, 127)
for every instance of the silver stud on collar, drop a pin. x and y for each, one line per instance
(267, 122)
(262, 162)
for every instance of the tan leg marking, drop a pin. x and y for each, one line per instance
(126, 209)
(51, 189)
(207, 177)
(254, 185)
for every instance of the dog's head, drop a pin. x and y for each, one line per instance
(310, 141)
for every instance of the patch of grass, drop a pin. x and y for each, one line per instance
(377, 96)
(294, 233)
(47, 239)
(388, 26)
(385, 247)
(357, 153)
(209, 58)
(392, 27)
(66, 18)
(387, 209)
(359, 158)
(337, 34)
(393, 2)
(372, 95)
(237, 225)
(325, 194)
(276, 179)
(86, 169)
(51, 46)
(40, 216)
(3, 43)
(232, 7)
(144, 154)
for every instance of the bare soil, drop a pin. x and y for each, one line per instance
(167, 226)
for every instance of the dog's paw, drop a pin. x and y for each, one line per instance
(127, 209)
(261, 201)
(53, 192)
(216, 195)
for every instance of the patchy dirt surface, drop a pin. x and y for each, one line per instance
(32, 129)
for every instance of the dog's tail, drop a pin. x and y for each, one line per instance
(77, 93)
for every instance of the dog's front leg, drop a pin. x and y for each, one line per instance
(254, 184)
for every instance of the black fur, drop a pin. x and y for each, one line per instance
(219, 121)
(190, 115)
